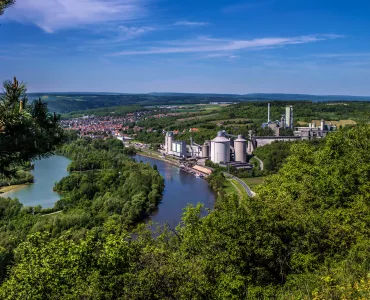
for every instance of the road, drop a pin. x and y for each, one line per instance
(244, 185)
(260, 161)
(54, 213)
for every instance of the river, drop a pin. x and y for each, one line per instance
(181, 188)
(47, 172)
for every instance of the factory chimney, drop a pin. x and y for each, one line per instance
(268, 113)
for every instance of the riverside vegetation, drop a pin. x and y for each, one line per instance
(105, 185)
(305, 236)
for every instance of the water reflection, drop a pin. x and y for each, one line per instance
(181, 190)
(47, 172)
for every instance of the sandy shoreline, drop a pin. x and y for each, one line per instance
(6, 189)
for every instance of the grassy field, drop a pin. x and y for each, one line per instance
(253, 182)
(230, 120)
(212, 106)
(201, 117)
(234, 187)
(230, 188)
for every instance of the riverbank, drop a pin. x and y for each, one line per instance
(9, 188)
(158, 157)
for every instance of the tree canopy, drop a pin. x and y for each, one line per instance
(5, 4)
(305, 236)
(27, 129)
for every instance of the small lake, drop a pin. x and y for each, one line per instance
(47, 172)
(181, 189)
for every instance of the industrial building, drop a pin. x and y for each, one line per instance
(176, 148)
(220, 149)
(287, 121)
(181, 150)
(313, 131)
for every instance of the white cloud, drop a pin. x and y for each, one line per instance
(132, 31)
(220, 55)
(222, 45)
(342, 55)
(191, 24)
(52, 15)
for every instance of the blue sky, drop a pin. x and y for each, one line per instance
(219, 46)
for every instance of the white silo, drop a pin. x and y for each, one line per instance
(205, 150)
(322, 125)
(240, 145)
(169, 141)
(220, 149)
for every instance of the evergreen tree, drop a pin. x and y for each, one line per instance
(27, 131)
(5, 4)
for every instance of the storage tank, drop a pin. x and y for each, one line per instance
(205, 150)
(240, 145)
(220, 149)
(322, 125)
(169, 141)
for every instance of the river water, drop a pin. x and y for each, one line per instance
(47, 172)
(181, 188)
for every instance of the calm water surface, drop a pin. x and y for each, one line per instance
(47, 172)
(181, 190)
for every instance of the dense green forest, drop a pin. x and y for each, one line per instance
(104, 111)
(20, 176)
(111, 188)
(303, 111)
(305, 236)
(276, 154)
(66, 103)
(69, 102)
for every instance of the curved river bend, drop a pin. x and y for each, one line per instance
(181, 188)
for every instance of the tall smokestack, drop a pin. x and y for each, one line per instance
(291, 118)
(268, 113)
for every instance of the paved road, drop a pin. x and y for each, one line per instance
(244, 185)
(260, 161)
(54, 213)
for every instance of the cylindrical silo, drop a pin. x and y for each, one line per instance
(240, 145)
(205, 150)
(220, 149)
(322, 125)
(169, 142)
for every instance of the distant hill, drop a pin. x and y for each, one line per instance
(71, 102)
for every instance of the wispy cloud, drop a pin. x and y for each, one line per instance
(52, 15)
(132, 31)
(342, 55)
(220, 55)
(224, 45)
(191, 24)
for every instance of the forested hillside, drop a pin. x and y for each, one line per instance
(305, 236)
(276, 154)
(108, 186)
